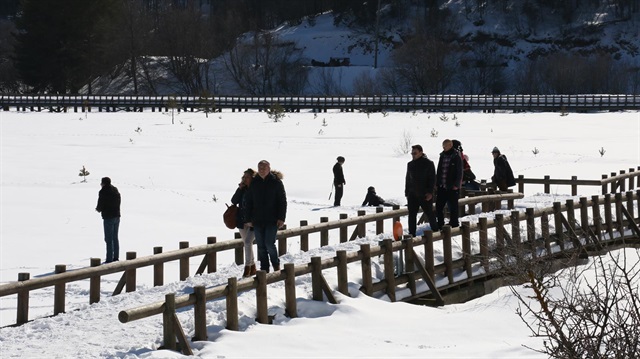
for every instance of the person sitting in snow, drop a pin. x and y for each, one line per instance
(372, 199)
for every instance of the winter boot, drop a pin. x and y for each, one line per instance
(276, 267)
(247, 271)
(252, 271)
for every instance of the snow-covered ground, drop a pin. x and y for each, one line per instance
(175, 180)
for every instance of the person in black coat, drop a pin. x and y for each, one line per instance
(109, 207)
(265, 211)
(502, 174)
(372, 199)
(419, 185)
(338, 180)
(246, 233)
(449, 181)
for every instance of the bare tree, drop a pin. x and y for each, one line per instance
(586, 311)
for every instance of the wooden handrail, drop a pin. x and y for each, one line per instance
(249, 283)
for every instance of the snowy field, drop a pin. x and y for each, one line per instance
(176, 179)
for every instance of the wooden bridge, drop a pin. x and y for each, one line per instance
(113, 103)
(589, 226)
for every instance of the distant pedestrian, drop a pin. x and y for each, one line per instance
(468, 177)
(109, 207)
(502, 174)
(420, 182)
(338, 180)
(246, 232)
(449, 181)
(372, 199)
(266, 210)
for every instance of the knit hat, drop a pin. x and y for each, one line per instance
(495, 150)
(105, 181)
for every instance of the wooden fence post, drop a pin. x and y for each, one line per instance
(343, 279)
(547, 184)
(304, 238)
(389, 269)
(605, 185)
(324, 233)
(232, 303)
(557, 217)
(168, 331)
(631, 179)
(629, 195)
(484, 243)
(622, 181)
(574, 185)
(608, 216)
(239, 251)
(158, 269)
(344, 234)
(571, 214)
(614, 184)
(429, 260)
(409, 268)
(544, 228)
(619, 218)
(59, 291)
(362, 226)
(94, 283)
(130, 275)
(380, 222)
(261, 297)
(521, 183)
(200, 313)
(584, 216)
(367, 281)
(291, 309)
(22, 311)
(184, 262)
(212, 257)
(499, 221)
(466, 247)
(316, 278)
(515, 227)
(395, 208)
(282, 242)
(531, 231)
(447, 252)
(597, 218)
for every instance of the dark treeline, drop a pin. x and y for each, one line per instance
(72, 46)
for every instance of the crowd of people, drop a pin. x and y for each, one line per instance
(262, 201)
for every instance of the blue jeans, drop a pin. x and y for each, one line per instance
(266, 241)
(111, 237)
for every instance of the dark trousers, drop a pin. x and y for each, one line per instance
(339, 192)
(414, 203)
(111, 238)
(266, 241)
(447, 197)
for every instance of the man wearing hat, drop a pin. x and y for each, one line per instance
(502, 174)
(109, 207)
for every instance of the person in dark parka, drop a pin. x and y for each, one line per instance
(449, 181)
(419, 185)
(109, 207)
(265, 211)
(502, 174)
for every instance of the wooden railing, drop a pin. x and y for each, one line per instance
(571, 237)
(128, 268)
(617, 182)
(110, 103)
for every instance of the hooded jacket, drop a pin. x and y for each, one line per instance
(453, 162)
(266, 200)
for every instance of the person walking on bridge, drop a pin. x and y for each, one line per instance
(419, 185)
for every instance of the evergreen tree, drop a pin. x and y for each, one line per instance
(60, 43)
